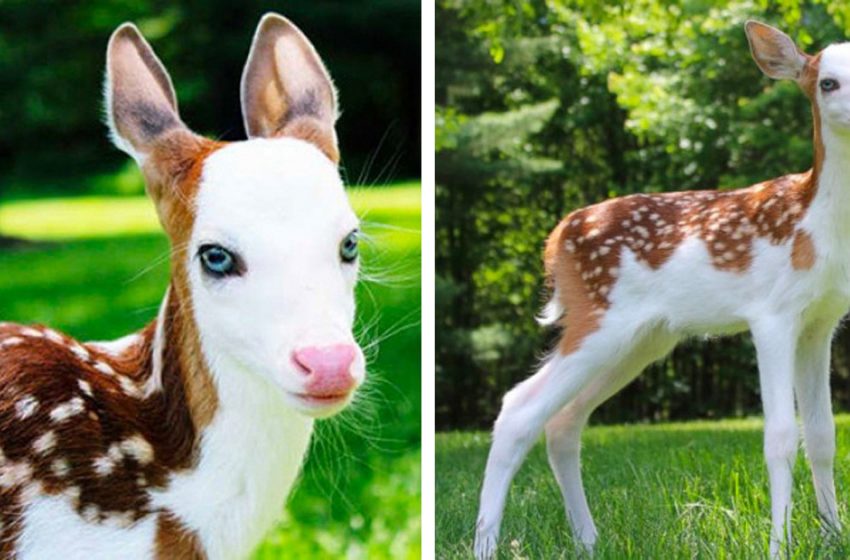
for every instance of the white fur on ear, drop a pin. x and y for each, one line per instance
(774, 52)
(140, 101)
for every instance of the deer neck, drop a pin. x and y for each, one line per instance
(248, 445)
(831, 182)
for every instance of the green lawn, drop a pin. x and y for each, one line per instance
(671, 491)
(103, 273)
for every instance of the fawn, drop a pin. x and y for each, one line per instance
(184, 440)
(633, 275)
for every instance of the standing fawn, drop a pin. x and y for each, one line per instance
(632, 276)
(183, 441)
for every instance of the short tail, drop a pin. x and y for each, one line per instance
(551, 312)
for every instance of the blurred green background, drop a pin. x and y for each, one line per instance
(81, 249)
(546, 106)
(51, 79)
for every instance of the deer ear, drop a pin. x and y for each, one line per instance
(775, 52)
(141, 106)
(286, 90)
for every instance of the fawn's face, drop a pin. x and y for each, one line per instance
(265, 242)
(825, 77)
(273, 264)
(833, 87)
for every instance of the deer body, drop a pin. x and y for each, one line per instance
(184, 440)
(633, 276)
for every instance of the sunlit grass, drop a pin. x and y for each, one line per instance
(88, 217)
(102, 275)
(671, 491)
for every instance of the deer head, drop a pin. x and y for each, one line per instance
(265, 243)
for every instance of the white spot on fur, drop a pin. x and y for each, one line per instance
(67, 409)
(103, 465)
(9, 342)
(117, 348)
(60, 468)
(80, 352)
(130, 388)
(104, 368)
(31, 332)
(26, 407)
(54, 336)
(15, 474)
(85, 387)
(138, 448)
(45, 443)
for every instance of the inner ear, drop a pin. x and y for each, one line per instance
(141, 104)
(286, 89)
(775, 52)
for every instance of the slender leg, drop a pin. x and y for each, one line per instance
(563, 445)
(525, 411)
(563, 433)
(775, 340)
(813, 400)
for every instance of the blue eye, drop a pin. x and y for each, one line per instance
(349, 249)
(828, 84)
(218, 262)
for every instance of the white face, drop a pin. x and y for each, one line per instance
(285, 310)
(833, 87)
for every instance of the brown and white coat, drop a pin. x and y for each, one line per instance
(184, 440)
(632, 276)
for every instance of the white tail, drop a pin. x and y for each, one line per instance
(639, 273)
(183, 441)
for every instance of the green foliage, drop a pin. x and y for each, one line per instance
(103, 274)
(545, 106)
(52, 55)
(672, 491)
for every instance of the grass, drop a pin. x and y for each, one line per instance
(103, 275)
(672, 491)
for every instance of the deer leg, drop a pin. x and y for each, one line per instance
(563, 433)
(526, 409)
(775, 340)
(813, 399)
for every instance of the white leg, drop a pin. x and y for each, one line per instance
(813, 400)
(563, 445)
(527, 408)
(563, 432)
(775, 339)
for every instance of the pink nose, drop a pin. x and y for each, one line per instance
(328, 369)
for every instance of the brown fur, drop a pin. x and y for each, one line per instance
(803, 253)
(582, 255)
(114, 421)
(315, 132)
(176, 542)
(111, 416)
(653, 226)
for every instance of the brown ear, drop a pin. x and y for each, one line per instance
(141, 106)
(775, 52)
(286, 90)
